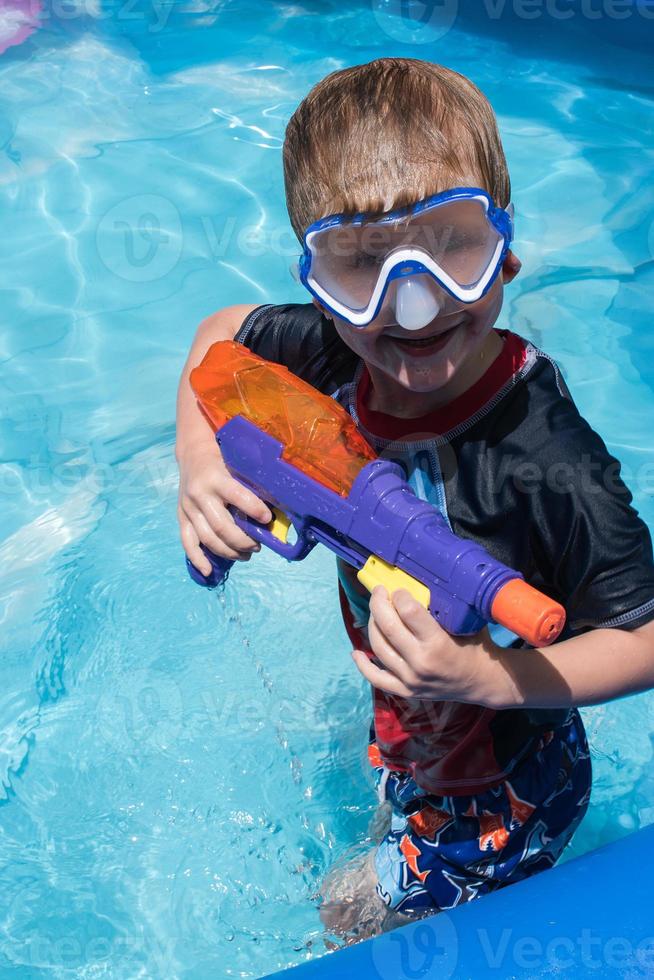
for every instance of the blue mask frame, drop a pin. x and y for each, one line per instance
(500, 218)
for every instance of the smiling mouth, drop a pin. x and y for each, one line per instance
(433, 342)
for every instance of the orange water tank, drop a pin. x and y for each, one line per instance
(318, 435)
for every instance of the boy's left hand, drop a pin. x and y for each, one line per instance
(418, 658)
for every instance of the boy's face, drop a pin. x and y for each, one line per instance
(428, 359)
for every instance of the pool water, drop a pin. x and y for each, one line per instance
(178, 769)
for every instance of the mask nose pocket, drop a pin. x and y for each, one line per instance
(416, 305)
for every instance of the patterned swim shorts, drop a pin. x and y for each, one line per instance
(444, 850)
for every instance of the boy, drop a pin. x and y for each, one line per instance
(476, 744)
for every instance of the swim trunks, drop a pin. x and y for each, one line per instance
(442, 851)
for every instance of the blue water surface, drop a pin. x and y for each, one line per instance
(179, 769)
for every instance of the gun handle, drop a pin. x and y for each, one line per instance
(220, 569)
(526, 611)
(273, 535)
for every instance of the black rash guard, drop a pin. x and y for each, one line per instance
(510, 464)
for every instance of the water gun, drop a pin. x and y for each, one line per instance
(300, 452)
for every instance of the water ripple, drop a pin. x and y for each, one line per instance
(178, 769)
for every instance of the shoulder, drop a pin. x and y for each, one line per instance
(533, 448)
(538, 415)
(298, 336)
(300, 319)
(228, 320)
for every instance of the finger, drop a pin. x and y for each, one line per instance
(192, 548)
(415, 617)
(392, 660)
(384, 680)
(246, 501)
(386, 617)
(222, 524)
(220, 545)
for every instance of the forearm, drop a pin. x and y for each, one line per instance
(598, 666)
(193, 430)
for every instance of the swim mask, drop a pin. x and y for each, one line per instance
(457, 239)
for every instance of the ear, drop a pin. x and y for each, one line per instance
(511, 267)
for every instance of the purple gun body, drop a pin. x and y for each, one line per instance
(380, 516)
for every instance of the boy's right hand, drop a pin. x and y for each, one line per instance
(205, 491)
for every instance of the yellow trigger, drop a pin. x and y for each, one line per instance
(280, 525)
(376, 571)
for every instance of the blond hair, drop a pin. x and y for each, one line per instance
(381, 135)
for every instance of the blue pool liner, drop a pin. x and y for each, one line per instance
(591, 917)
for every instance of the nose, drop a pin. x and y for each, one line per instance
(416, 302)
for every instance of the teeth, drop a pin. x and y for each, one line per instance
(423, 342)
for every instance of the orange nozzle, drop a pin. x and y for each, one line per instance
(318, 435)
(526, 611)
